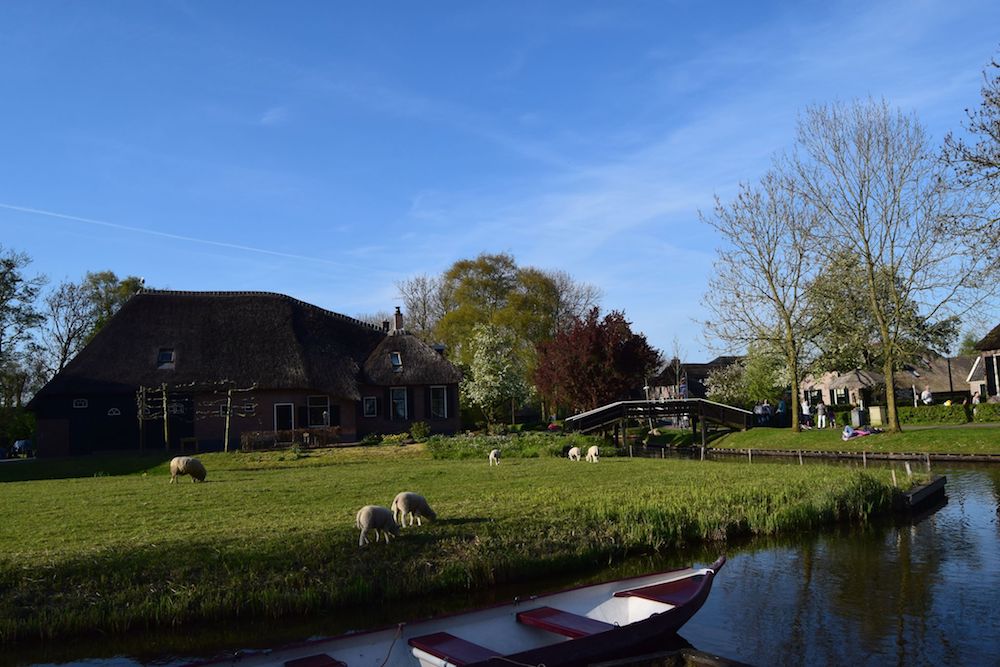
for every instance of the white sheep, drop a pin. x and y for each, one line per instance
(574, 454)
(187, 465)
(377, 518)
(592, 454)
(413, 504)
(495, 457)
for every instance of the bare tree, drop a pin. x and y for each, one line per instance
(976, 159)
(886, 201)
(757, 295)
(573, 299)
(70, 318)
(423, 303)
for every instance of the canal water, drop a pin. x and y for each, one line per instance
(922, 591)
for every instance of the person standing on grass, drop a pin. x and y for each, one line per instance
(926, 397)
(821, 415)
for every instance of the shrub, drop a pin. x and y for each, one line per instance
(987, 413)
(420, 431)
(371, 439)
(932, 414)
(396, 438)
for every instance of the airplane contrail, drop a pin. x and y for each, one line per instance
(153, 232)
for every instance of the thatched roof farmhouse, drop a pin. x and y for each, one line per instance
(299, 366)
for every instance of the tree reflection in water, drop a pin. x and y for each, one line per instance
(912, 593)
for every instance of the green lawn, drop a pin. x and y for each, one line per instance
(271, 534)
(926, 440)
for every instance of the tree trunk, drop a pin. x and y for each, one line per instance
(892, 417)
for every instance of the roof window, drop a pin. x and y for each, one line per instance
(396, 359)
(165, 357)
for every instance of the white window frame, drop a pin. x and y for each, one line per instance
(365, 402)
(444, 390)
(396, 359)
(309, 409)
(114, 412)
(275, 414)
(81, 403)
(392, 402)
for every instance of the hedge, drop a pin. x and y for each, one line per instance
(934, 414)
(987, 413)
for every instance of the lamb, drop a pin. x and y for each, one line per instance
(495, 457)
(574, 454)
(187, 465)
(413, 504)
(377, 518)
(592, 454)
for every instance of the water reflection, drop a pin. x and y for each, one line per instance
(893, 594)
(918, 592)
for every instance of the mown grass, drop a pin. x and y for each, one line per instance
(928, 440)
(272, 534)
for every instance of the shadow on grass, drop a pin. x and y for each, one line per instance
(95, 465)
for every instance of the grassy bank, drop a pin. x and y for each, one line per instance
(930, 440)
(272, 534)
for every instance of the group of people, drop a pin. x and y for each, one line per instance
(819, 415)
(765, 415)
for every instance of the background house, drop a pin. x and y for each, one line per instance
(989, 361)
(307, 367)
(686, 380)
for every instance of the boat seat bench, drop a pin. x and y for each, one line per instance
(451, 648)
(563, 623)
(672, 592)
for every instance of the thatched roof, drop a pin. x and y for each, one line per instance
(269, 339)
(418, 363)
(991, 341)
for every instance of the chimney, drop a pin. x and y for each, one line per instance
(385, 325)
(398, 320)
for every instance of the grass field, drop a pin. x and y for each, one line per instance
(271, 534)
(965, 440)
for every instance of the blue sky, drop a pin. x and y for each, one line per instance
(326, 150)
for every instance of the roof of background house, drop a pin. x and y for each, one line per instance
(265, 338)
(420, 363)
(991, 341)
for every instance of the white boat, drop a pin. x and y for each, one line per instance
(577, 626)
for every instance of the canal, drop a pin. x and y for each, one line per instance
(922, 591)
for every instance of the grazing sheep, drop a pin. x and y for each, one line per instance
(592, 454)
(574, 454)
(377, 518)
(495, 457)
(187, 465)
(413, 504)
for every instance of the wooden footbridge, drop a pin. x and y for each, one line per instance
(698, 410)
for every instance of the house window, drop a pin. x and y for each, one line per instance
(398, 396)
(165, 357)
(439, 402)
(396, 359)
(370, 406)
(319, 410)
(114, 412)
(80, 403)
(175, 408)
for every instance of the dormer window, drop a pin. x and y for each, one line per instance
(396, 359)
(165, 358)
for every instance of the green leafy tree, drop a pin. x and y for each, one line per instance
(967, 346)
(19, 319)
(495, 380)
(107, 294)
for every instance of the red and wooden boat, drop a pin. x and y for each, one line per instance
(578, 626)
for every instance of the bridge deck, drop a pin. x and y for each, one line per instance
(699, 408)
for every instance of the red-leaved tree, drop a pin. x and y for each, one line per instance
(593, 362)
